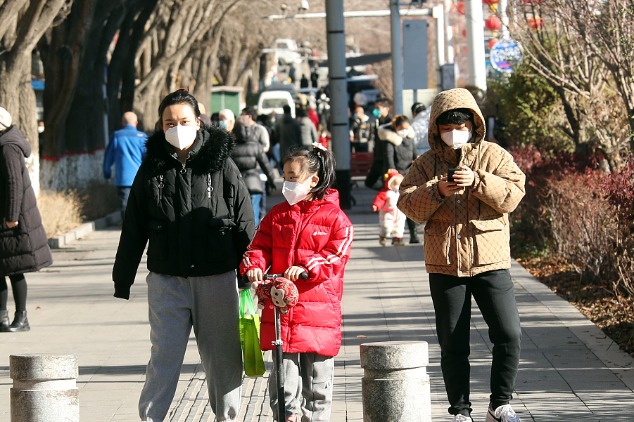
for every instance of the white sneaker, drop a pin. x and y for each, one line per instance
(503, 413)
(461, 418)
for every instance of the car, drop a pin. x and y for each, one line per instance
(274, 101)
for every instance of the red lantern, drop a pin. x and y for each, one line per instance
(490, 2)
(460, 7)
(491, 43)
(493, 23)
(535, 22)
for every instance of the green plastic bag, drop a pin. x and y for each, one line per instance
(250, 336)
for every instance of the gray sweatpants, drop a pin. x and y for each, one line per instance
(211, 306)
(308, 382)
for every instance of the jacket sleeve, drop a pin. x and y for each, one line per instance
(379, 199)
(264, 139)
(11, 172)
(503, 188)
(419, 197)
(332, 259)
(389, 155)
(313, 133)
(258, 254)
(143, 147)
(243, 214)
(264, 165)
(134, 237)
(108, 159)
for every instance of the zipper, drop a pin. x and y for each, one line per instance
(161, 185)
(209, 188)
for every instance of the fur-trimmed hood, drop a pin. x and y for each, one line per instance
(386, 133)
(207, 155)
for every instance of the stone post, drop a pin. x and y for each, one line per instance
(44, 388)
(395, 385)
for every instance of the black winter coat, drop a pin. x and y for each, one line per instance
(248, 153)
(197, 217)
(23, 248)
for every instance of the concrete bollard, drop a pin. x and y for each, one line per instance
(44, 388)
(395, 385)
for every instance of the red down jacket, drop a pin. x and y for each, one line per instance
(315, 235)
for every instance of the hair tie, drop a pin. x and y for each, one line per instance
(319, 146)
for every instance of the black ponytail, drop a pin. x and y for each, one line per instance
(316, 160)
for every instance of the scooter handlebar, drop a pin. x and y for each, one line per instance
(244, 283)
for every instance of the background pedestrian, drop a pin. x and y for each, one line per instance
(23, 241)
(126, 150)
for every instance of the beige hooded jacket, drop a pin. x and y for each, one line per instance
(466, 233)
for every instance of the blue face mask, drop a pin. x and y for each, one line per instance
(376, 113)
(222, 124)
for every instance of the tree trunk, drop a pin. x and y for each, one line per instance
(24, 23)
(73, 98)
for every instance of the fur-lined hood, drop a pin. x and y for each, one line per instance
(387, 133)
(207, 155)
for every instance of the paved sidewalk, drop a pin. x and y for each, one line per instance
(569, 369)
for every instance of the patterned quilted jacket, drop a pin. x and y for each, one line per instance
(466, 233)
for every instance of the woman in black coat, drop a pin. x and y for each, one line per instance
(248, 156)
(23, 241)
(191, 208)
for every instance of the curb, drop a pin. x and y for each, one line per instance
(65, 239)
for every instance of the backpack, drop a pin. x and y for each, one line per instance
(362, 130)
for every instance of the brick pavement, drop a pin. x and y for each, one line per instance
(569, 369)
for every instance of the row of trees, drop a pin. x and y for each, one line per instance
(567, 113)
(576, 90)
(104, 57)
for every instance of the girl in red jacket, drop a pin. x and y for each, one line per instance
(307, 233)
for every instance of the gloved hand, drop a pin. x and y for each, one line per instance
(270, 187)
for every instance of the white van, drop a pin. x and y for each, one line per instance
(274, 101)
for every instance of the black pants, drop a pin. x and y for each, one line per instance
(411, 226)
(493, 292)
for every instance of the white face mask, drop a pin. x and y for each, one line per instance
(456, 138)
(294, 192)
(402, 133)
(181, 136)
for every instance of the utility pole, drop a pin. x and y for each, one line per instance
(475, 44)
(397, 57)
(336, 42)
(502, 8)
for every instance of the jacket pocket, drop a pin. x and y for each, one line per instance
(158, 241)
(220, 239)
(491, 242)
(437, 243)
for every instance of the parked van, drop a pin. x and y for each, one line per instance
(274, 101)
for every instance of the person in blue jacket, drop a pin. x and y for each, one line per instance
(126, 150)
